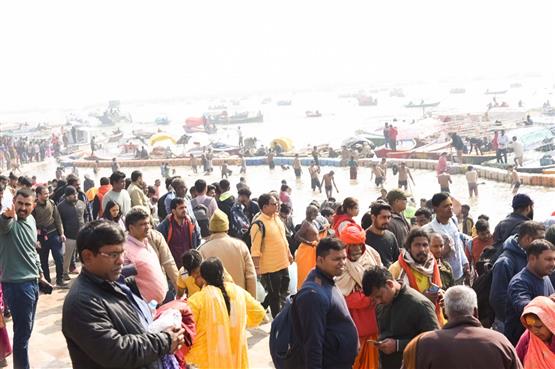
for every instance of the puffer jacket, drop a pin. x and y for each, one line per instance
(103, 328)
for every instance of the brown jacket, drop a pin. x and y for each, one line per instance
(158, 243)
(235, 257)
(463, 343)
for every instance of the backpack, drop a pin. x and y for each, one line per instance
(262, 229)
(285, 348)
(238, 223)
(201, 214)
(482, 284)
(162, 206)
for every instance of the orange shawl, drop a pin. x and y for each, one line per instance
(436, 279)
(538, 355)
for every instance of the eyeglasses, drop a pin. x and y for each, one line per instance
(272, 203)
(111, 255)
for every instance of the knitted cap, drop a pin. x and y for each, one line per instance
(219, 222)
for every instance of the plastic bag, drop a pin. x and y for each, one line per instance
(170, 318)
(293, 278)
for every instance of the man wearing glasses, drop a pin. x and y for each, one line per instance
(104, 323)
(270, 253)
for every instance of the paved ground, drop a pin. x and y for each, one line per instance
(48, 347)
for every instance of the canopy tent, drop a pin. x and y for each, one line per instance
(283, 142)
(159, 137)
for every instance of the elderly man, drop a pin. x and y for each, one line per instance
(233, 253)
(150, 279)
(463, 342)
(362, 309)
(402, 313)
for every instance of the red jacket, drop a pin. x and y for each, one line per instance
(187, 323)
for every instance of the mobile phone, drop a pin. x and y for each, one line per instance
(45, 288)
(434, 288)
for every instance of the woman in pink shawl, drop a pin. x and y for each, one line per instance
(536, 347)
(5, 346)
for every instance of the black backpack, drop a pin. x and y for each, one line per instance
(482, 284)
(200, 210)
(239, 224)
(162, 214)
(285, 348)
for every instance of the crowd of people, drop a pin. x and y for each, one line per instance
(172, 279)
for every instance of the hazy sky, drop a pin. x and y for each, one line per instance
(64, 53)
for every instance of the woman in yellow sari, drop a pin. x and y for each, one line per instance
(222, 311)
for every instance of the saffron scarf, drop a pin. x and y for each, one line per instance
(429, 268)
(539, 356)
(354, 270)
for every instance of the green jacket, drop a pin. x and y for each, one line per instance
(409, 314)
(19, 260)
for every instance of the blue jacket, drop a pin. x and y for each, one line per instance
(511, 261)
(329, 334)
(524, 287)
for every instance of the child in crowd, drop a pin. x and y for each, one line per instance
(189, 273)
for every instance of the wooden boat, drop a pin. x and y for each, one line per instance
(313, 114)
(237, 118)
(422, 105)
(396, 92)
(162, 120)
(403, 145)
(429, 151)
(496, 92)
(546, 164)
(366, 101)
(115, 137)
(199, 124)
(478, 159)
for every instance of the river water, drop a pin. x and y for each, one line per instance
(494, 197)
(340, 118)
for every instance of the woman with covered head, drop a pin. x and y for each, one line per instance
(222, 312)
(344, 214)
(362, 309)
(536, 347)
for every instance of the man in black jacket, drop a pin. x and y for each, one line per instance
(523, 210)
(104, 323)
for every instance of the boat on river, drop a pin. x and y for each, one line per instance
(236, 118)
(422, 104)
